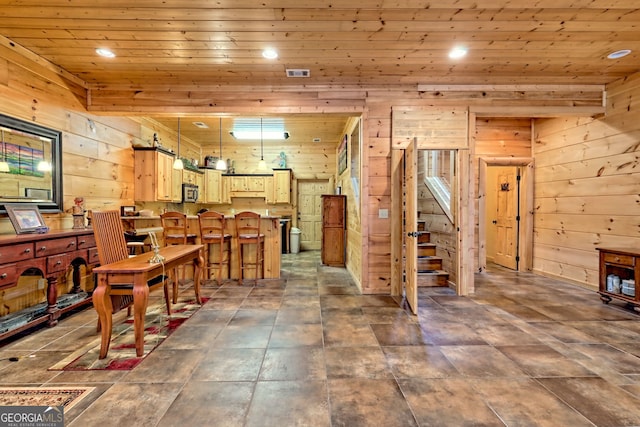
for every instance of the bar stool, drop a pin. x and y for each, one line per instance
(174, 232)
(212, 232)
(248, 233)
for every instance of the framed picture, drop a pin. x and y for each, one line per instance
(26, 218)
(342, 155)
(127, 210)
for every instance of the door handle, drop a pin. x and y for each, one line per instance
(413, 234)
(494, 221)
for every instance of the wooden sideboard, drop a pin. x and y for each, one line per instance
(624, 265)
(49, 255)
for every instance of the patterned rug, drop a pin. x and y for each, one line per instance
(122, 350)
(43, 396)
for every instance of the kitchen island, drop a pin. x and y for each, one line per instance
(269, 226)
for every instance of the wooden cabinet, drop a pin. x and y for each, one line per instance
(50, 255)
(334, 224)
(194, 178)
(247, 185)
(154, 175)
(213, 187)
(619, 274)
(279, 189)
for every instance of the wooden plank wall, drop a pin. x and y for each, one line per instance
(587, 186)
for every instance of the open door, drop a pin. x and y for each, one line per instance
(411, 226)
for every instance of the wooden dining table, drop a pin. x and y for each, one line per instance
(138, 270)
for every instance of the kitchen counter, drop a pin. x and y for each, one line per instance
(270, 226)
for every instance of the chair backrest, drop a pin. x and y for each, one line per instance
(212, 225)
(247, 224)
(109, 234)
(174, 226)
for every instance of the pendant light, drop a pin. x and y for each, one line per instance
(221, 165)
(261, 165)
(4, 166)
(178, 164)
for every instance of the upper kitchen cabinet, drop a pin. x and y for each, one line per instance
(279, 190)
(153, 174)
(214, 188)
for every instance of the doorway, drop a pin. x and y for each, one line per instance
(310, 212)
(505, 213)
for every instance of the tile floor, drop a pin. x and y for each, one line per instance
(308, 350)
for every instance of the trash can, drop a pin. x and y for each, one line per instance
(295, 240)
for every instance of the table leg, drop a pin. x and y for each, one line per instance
(198, 264)
(140, 302)
(102, 304)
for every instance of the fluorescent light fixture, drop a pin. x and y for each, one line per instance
(619, 54)
(270, 53)
(457, 52)
(105, 53)
(250, 128)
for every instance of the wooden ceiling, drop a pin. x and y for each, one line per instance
(204, 45)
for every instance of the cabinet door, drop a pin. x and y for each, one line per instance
(256, 184)
(164, 178)
(333, 246)
(213, 186)
(176, 185)
(200, 183)
(282, 186)
(333, 211)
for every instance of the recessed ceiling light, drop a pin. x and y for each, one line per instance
(457, 52)
(270, 53)
(619, 53)
(105, 52)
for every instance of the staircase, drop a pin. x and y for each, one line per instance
(430, 272)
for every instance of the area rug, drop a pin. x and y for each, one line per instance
(43, 396)
(122, 349)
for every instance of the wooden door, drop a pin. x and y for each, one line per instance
(310, 212)
(506, 212)
(411, 226)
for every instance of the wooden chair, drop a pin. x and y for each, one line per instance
(174, 225)
(112, 247)
(212, 233)
(248, 233)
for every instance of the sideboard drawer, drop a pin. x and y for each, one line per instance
(57, 263)
(8, 275)
(619, 259)
(56, 246)
(88, 241)
(14, 253)
(93, 256)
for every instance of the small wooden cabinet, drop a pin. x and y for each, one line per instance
(619, 275)
(334, 225)
(154, 175)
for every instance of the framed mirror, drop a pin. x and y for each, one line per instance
(30, 165)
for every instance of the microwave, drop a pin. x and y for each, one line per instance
(189, 193)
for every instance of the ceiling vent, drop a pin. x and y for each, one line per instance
(201, 125)
(298, 72)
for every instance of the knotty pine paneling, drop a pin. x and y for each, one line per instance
(587, 189)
